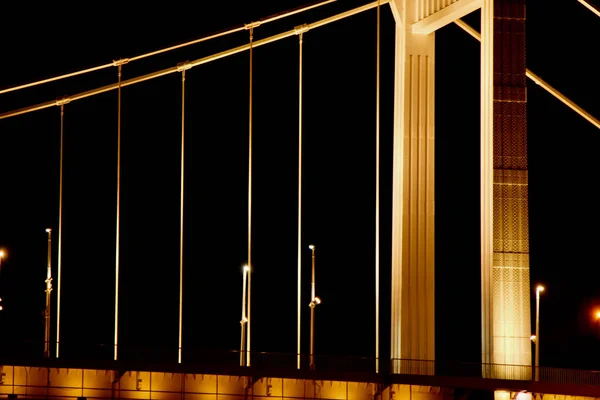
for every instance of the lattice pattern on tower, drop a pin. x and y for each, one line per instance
(511, 323)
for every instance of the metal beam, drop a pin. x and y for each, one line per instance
(594, 121)
(445, 16)
(591, 7)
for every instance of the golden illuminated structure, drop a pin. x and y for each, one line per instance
(504, 181)
(244, 320)
(412, 329)
(314, 301)
(591, 7)
(413, 261)
(504, 201)
(1, 257)
(182, 67)
(536, 338)
(250, 27)
(60, 220)
(47, 321)
(71, 383)
(505, 286)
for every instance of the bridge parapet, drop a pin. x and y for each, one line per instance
(129, 381)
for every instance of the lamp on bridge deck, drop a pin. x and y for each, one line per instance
(536, 338)
(314, 301)
(244, 320)
(48, 291)
(2, 254)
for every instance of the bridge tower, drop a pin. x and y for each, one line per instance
(505, 287)
(413, 317)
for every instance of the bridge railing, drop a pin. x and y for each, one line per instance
(461, 369)
(28, 353)
(569, 376)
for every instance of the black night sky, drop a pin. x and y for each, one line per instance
(338, 180)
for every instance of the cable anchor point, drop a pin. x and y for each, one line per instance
(121, 61)
(183, 66)
(252, 25)
(301, 29)
(63, 100)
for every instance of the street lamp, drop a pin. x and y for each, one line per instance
(314, 301)
(536, 338)
(48, 290)
(2, 254)
(244, 320)
(597, 315)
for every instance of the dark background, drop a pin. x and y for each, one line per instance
(338, 180)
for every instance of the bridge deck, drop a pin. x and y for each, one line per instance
(23, 376)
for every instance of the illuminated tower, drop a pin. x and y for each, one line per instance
(413, 317)
(505, 289)
(505, 228)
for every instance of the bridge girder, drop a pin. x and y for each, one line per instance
(445, 16)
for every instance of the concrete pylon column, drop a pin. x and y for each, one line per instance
(505, 285)
(413, 318)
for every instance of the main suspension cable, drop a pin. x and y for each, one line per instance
(195, 63)
(166, 49)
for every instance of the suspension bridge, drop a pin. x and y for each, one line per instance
(506, 369)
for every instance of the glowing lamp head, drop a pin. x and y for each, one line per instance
(317, 300)
(1, 254)
(539, 288)
(532, 337)
(598, 315)
(246, 268)
(312, 246)
(48, 230)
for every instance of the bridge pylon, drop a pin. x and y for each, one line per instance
(505, 286)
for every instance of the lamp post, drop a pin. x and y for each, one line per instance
(48, 290)
(244, 320)
(314, 301)
(1, 257)
(536, 339)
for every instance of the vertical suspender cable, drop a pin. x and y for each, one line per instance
(249, 202)
(183, 68)
(116, 340)
(377, 189)
(60, 204)
(299, 190)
